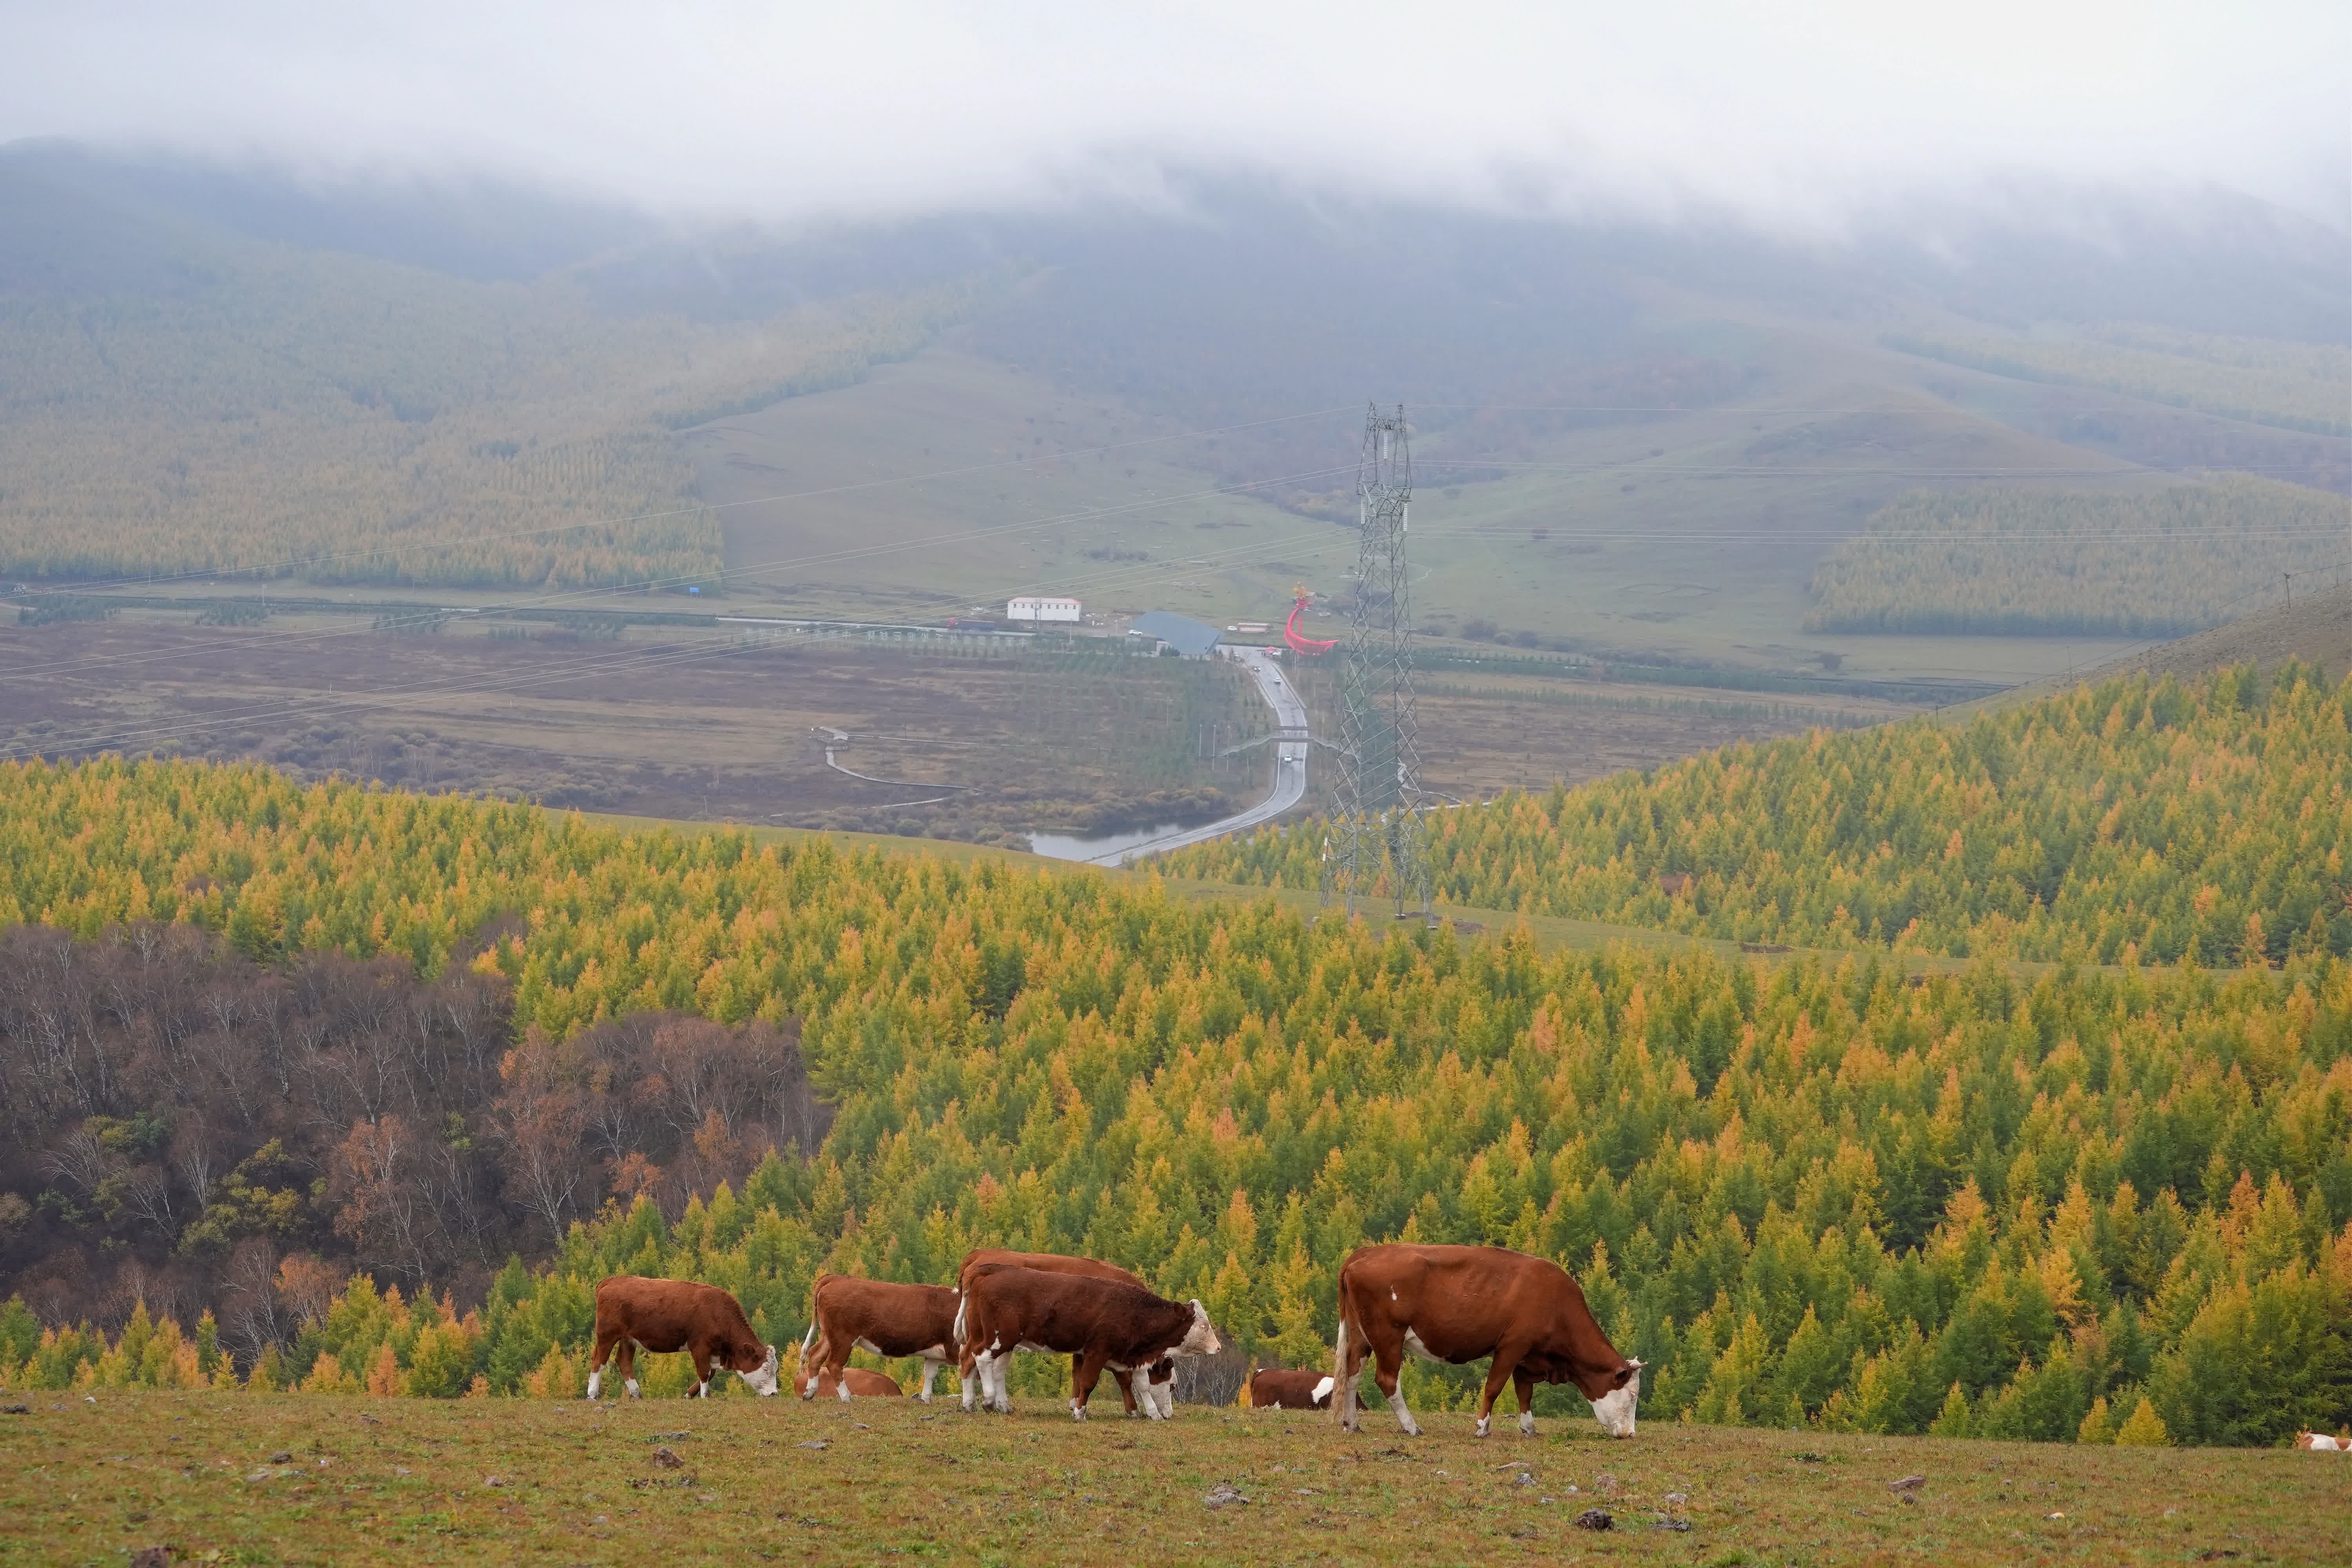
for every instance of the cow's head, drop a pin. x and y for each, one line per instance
(763, 1376)
(1200, 1339)
(1614, 1405)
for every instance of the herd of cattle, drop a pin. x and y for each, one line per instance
(1452, 1304)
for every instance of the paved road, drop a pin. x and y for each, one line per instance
(1289, 765)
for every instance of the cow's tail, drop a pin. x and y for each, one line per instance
(818, 1335)
(1343, 1407)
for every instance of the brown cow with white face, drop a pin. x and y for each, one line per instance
(1155, 1383)
(1456, 1304)
(665, 1315)
(1103, 1324)
(848, 1313)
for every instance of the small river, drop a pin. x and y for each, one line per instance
(1066, 848)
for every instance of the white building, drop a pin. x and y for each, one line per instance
(1041, 609)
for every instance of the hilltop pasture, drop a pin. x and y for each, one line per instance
(233, 1478)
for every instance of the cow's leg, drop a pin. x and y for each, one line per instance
(1165, 1393)
(1388, 1367)
(701, 1389)
(1084, 1375)
(1349, 1360)
(992, 1393)
(1523, 1384)
(931, 1365)
(967, 1374)
(1127, 1381)
(1498, 1372)
(628, 1367)
(596, 1360)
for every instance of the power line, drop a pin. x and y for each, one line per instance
(1377, 815)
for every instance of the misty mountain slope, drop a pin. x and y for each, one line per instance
(1633, 525)
(180, 397)
(1576, 395)
(474, 228)
(1628, 437)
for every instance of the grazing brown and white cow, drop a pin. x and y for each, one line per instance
(2320, 1442)
(848, 1313)
(1157, 1383)
(1458, 1303)
(858, 1381)
(665, 1315)
(1102, 1324)
(1297, 1388)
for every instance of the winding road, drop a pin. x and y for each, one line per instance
(1289, 765)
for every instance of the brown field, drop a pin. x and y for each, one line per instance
(687, 724)
(246, 1477)
(1483, 734)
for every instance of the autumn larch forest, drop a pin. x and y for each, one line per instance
(328, 1088)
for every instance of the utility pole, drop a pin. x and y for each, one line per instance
(1380, 835)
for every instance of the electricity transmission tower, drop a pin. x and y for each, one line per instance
(1378, 826)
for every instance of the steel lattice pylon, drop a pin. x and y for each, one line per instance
(1380, 836)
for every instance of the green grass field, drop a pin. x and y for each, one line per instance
(234, 1477)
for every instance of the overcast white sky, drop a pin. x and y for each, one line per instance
(1792, 112)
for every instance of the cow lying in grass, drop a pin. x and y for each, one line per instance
(665, 1315)
(865, 1384)
(1297, 1388)
(1104, 1325)
(2320, 1442)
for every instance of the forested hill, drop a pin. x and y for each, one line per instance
(2139, 819)
(178, 396)
(1801, 1194)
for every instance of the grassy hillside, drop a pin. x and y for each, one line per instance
(183, 399)
(2297, 386)
(2136, 819)
(1805, 1194)
(503, 1483)
(2060, 562)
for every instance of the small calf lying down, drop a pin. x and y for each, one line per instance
(862, 1383)
(2320, 1442)
(1299, 1388)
